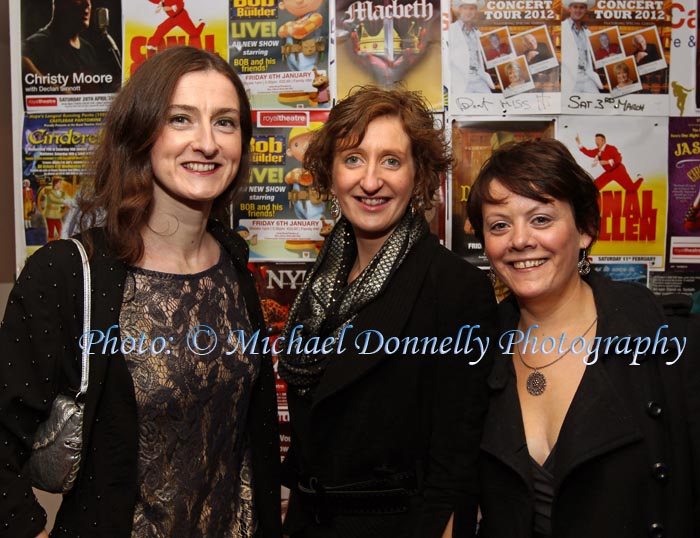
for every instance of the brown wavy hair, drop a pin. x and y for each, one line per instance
(541, 170)
(120, 194)
(347, 125)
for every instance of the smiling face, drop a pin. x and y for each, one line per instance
(374, 181)
(513, 72)
(495, 41)
(530, 42)
(604, 40)
(639, 42)
(577, 11)
(622, 76)
(467, 12)
(533, 247)
(198, 151)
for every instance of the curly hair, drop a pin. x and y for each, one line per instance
(541, 170)
(120, 194)
(347, 125)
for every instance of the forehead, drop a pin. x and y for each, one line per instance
(507, 200)
(208, 83)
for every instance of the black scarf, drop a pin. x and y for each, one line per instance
(326, 303)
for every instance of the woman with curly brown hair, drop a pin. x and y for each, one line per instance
(385, 423)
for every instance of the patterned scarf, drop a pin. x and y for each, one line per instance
(326, 303)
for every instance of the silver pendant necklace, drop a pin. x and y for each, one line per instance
(536, 382)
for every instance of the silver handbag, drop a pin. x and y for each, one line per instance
(58, 442)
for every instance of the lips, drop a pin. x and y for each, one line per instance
(373, 201)
(527, 264)
(200, 167)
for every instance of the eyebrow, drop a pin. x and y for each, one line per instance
(193, 109)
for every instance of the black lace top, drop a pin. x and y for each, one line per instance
(192, 399)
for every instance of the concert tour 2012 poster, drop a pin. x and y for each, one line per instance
(684, 194)
(58, 76)
(472, 143)
(281, 215)
(56, 155)
(615, 57)
(154, 25)
(281, 51)
(627, 159)
(386, 42)
(504, 57)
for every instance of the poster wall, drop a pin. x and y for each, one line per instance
(615, 57)
(627, 159)
(281, 51)
(385, 43)
(472, 144)
(69, 62)
(153, 25)
(282, 215)
(504, 57)
(684, 194)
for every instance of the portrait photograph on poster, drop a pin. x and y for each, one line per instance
(645, 47)
(623, 77)
(605, 46)
(496, 47)
(515, 76)
(536, 46)
(71, 54)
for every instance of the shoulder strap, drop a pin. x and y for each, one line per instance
(85, 337)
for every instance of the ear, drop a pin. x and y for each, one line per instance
(585, 241)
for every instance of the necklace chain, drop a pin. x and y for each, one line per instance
(536, 382)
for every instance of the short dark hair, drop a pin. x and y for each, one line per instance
(347, 124)
(601, 135)
(541, 170)
(122, 191)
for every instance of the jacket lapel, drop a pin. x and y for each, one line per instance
(504, 435)
(598, 421)
(387, 314)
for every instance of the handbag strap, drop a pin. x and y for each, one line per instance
(85, 337)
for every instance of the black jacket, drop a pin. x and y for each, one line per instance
(41, 358)
(380, 415)
(627, 461)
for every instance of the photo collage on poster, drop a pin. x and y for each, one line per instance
(492, 71)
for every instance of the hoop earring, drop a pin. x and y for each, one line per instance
(335, 208)
(583, 265)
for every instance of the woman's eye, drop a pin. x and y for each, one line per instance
(393, 162)
(227, 123)
(352, 159)
(497, 226)
(179, 120)
(541, 219)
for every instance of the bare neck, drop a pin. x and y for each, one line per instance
(176, 240)
(551, 314)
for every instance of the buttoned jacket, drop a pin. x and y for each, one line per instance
(388, 412)
(627, 462)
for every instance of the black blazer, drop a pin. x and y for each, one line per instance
(627, 462)
(380, 414)
(39, 339)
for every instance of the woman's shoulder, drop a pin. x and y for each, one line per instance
(233, 243)
(451, 263)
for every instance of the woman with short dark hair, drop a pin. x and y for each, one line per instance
(582, 438)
